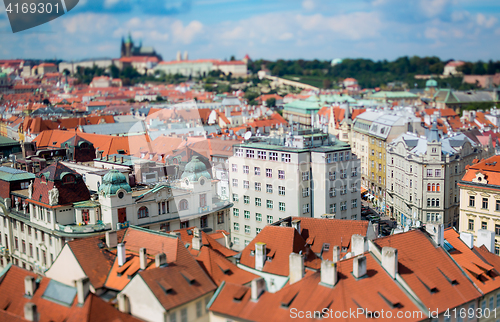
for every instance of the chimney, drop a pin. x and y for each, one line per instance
(260, 255)
(329, 274)
(390, 260)
(486, 238)
(336, 254)
(437, 232)
(29, 286)
(196, 241)
(296, 225)
(123, 303)
(359, 266)
(82, 289)
(111, 239)
(121, 254)
(30, 312)
(258, 286)
(143, 258)
(227, 240)
(467, 238)
(114, 158)
(296, 267)
(161, 259)
(358, 244)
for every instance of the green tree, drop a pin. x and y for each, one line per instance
(327, 83)
(271, 102)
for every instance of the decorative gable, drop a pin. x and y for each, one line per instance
(480, 178)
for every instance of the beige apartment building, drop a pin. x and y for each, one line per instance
(422, 176)
(301, 174)
(480, 203)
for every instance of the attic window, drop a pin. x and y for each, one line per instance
(166, 287)
(392, 302)
(452, 282)
(68, 178)
(189, 278)
(287, 300)
(54, 143)
(326, 247)
(238, 296)
(344, 248)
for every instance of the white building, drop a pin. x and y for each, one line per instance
(298, 174)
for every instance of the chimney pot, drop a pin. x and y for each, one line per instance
(296, 267)
(390, 260)
(111, 239)
(359, 266)
(82, 289)
(29, 286)
(260, 255)
(30, 312)
(121, 254)
(258, 286)
(143, 258)
(160, 259)
(329, 274)
(358, 244)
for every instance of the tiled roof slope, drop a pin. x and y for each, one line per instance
(483, 274)
(429, 271)
(280, 242)
(186, 235)
(490, 167)
(12, 301)
(69, 192)
(375, 292)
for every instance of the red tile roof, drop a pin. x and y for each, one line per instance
(490, 167)
(280, 242)
(429, 271)
(186, 235)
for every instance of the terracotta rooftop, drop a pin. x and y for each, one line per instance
(490, 167)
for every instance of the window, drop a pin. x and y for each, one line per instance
(262, 155)
(239, 152)
(329, 158)
(258, 186)
(281, 190)
(305, 192)
(269, 188)
(184, 315)
(472, 201)
(471, 224)
(235, 183)
(236, 241)
(282, 206)
(203, 200)
(234, 168)
(273, 156)
(256, 171)
(236, 226)
(246, 214)
(269, 173)
(437, 173)
(491, 303)
(198, 309)
(333, 208)
(497, 229)
(429, 172)
(285, 157)
(438, 187)
(305, 208)
(343, 174)
(183, 204)
(332, 175)
(497, 205)
(257, 230)
(204, 221)
(235, 197)
(341, 156)
(250, 154)
(354, 203)
(484, 225)
(246, 200)
(247, 229)
(258, 202)
(343, 190)
(411, 169)
(485, 203)
(246, 184)
(347, 156)
(354, 172)
(246, 169)
(31, 250)
(142, 212)
(305, 176)
(23, 244)
(258, 217)
(334, 157)
(269, 219)
(333, 192)
(498, 299)
(269, 204)
(281, 174)
(343, 205)
(236, 212)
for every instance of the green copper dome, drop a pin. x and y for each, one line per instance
(195, 169)
(113, 181)
(431, 83)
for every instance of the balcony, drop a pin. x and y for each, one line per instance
(83, 229)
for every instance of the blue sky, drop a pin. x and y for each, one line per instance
(269, 29)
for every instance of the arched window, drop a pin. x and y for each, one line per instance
(143, 212)
(68, 178)
(183, 204)
(428, 187)
(438, 187)
(437, 202)
(428, 202)
(433, 203)
(433, 187)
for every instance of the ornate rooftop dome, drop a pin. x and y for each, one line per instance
(195, 169)
(431, 83)
(113, 181)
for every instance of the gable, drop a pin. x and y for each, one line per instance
(66, 268)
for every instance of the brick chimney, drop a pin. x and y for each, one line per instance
(390, 260)
(296, 267)
(329, 275)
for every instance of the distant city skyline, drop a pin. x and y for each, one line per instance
(288, 29)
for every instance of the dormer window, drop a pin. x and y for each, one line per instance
(68, 179)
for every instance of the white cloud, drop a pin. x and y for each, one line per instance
(110, 3)
(88, 23)
(484, 21)
(308, 5)
(432, 8)
(286, 36)
(188, 33)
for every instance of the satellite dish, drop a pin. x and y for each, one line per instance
(248, 135)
